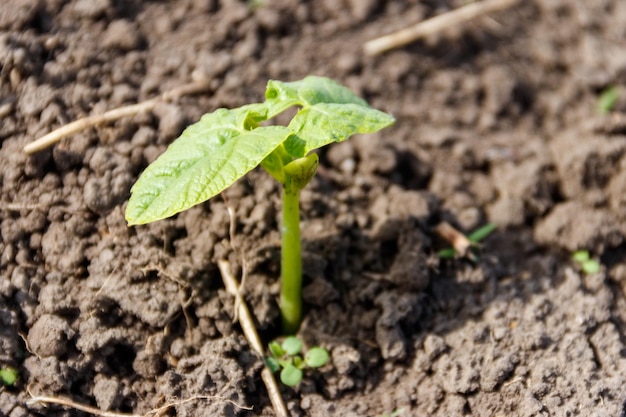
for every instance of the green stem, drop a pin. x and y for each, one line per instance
(291, 263)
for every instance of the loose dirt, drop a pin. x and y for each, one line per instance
(496, 122)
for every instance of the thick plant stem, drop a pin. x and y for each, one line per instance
(291, 264)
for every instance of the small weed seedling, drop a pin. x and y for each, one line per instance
(8, 376)
(607, 100)
(287, 359)
(395, 413)
(588, 265)
(463, 245)
(223, 146)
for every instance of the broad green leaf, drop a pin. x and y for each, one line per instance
(307, 92)
(290, 375)
(292, 345)
(207, 158)
(325, 123)
(316, 357)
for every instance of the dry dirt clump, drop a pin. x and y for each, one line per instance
(496, 122)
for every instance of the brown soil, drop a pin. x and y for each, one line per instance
(495, 123)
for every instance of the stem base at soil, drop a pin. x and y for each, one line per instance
(291, 264)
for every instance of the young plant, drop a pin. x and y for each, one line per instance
(586, 263)
(467, 243)
(287, 358)
(608, 99)
(395, 413)
(8, 376)
(223, 146)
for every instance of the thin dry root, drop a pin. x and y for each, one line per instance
(67, 402)
(113, 115)
(435, 25)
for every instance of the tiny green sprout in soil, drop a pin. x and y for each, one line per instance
(475, 238)
(586, 263)
(287, 358)
(223, 146)
(8, 376)
(607, 100)
(395, 413)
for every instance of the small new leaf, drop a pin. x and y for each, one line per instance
(587, 264)
(307, 92)
(607, 100)
(273, 364)
(290, 375)
(276, 350)
(581, 256)
(316, 357)
(329, 113)
(292, 345)
(337, 121)
(8, 376)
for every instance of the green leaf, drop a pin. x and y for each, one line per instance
(292, 345)
(607, 100)
(316, 357)
(482, 232)
(8, 376)
(299, 172)
(330, 113)
(448, 253)
(590, 267)
(325, 123)
(207, 158)
(272, 363)
(580, 256)
(283, 363)
(290, 375)
(298, 362)
(275, 349)
(307, 92)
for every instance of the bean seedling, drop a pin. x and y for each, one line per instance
(287, 358)
(223, 146)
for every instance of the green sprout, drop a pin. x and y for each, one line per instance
(474, 239)
(8, 376)
(223, 146)
(395, 413)
(588, 265)
(608, 99)
(287, 359)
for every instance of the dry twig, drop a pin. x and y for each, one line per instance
(435, 25)
(247, 325)
(458, 240)
(113, 115)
